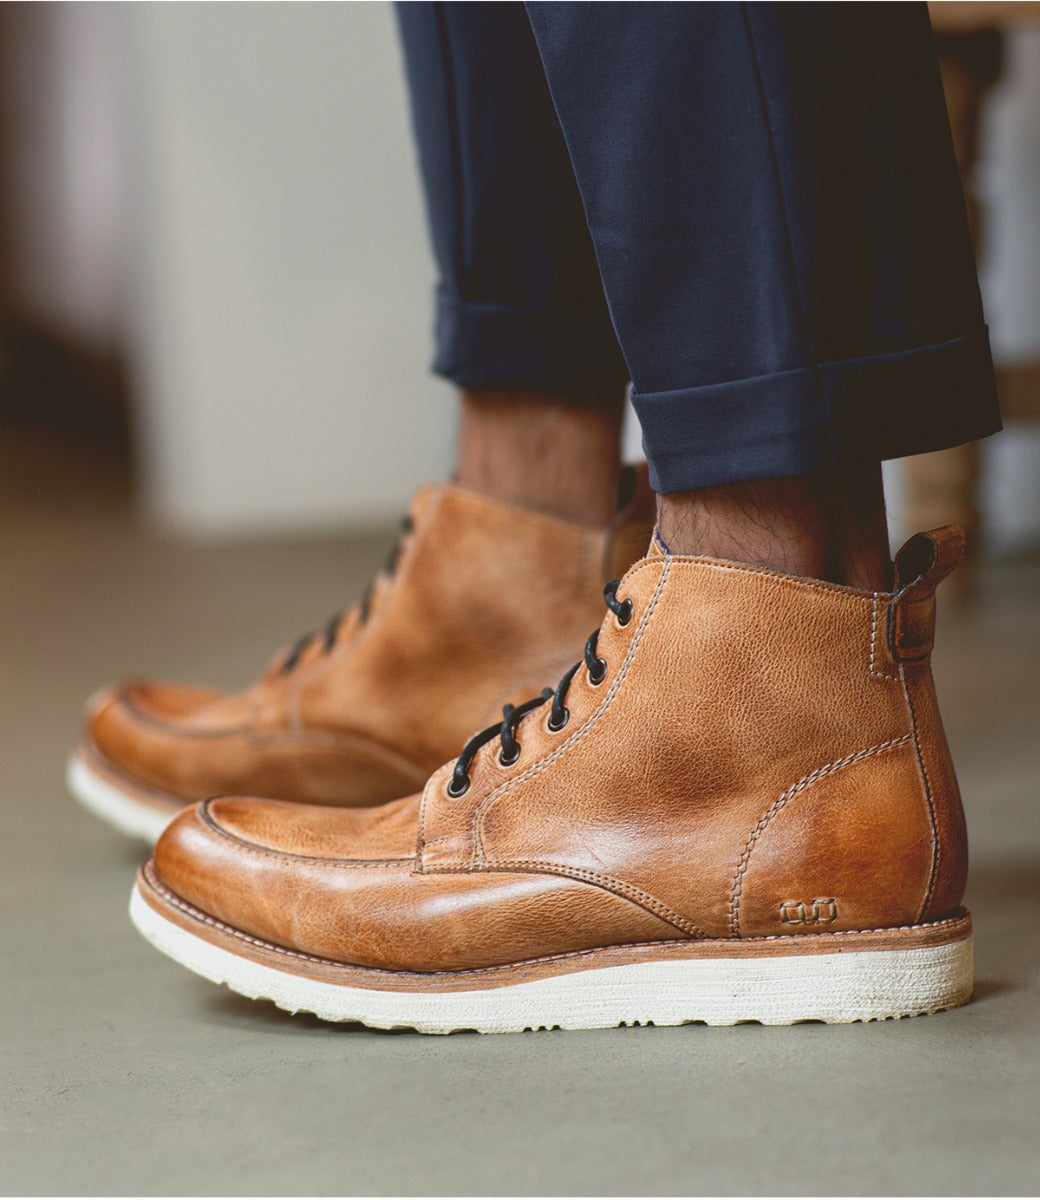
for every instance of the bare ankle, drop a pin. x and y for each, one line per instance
(775, 523)
(547, 453)
(825, 526)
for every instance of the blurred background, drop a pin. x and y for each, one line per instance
(214, 271)
(214, 262)
(214, 404)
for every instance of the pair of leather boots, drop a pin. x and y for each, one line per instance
(738, 804)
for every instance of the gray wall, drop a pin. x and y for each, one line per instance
(281, 277)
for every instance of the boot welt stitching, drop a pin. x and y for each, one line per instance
(778, 804)
(566, 956)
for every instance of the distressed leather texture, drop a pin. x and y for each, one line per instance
(754, 763)
(484, 605)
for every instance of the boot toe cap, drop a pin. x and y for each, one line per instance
(131, 726)
(268, 868)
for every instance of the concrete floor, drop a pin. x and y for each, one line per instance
(122, 1074)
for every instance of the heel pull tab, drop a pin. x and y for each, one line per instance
(921, 565)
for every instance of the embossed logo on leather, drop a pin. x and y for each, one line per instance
(819, 912)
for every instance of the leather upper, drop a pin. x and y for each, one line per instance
(756, 762)
(485, 604)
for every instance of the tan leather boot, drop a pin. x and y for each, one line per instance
(481, 603)
(739, 806)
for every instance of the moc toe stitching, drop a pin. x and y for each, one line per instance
(206, 815)
(129, 698)
(154, 882)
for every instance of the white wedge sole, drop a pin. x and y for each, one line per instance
(714, 988)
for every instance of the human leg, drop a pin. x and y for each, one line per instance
(828, 525)
(821, 313)
(521, 328)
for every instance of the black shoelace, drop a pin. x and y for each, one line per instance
(331, 630)
(559, 715)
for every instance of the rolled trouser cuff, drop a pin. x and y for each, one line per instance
(496, 347)
(793, 422)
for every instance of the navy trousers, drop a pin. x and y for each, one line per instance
(750, 211)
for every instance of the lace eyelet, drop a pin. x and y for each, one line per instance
(461, 791)
(601, 674)
(551, 724)
(627, 607)
(508, 762)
